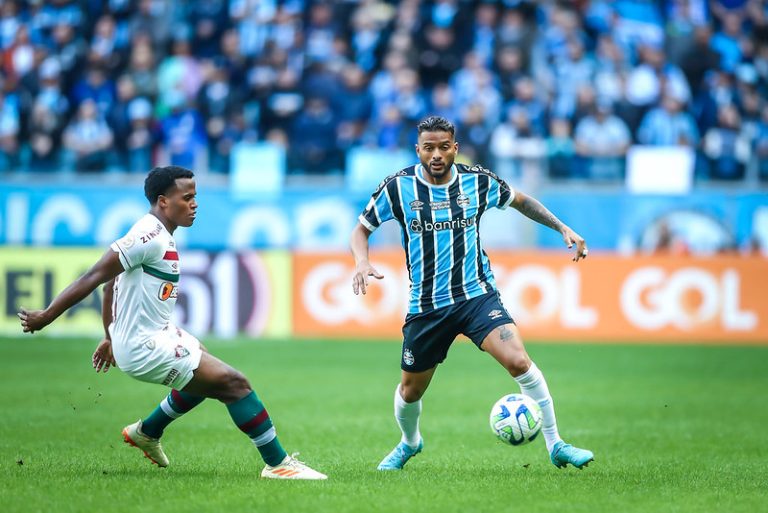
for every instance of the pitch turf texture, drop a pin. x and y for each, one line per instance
(673, 429)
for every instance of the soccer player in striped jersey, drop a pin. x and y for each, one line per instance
(141, 271)
(438, 205)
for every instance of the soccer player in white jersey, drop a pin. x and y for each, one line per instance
(438, 205)
(141, 271)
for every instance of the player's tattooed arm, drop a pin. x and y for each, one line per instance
(533, 209)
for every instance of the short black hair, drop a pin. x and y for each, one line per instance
(436, 124)
(160, 179)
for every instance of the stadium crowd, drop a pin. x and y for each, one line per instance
(94, 85)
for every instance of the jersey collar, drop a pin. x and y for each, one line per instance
(420, 176)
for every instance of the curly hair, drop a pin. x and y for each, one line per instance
(160, 179)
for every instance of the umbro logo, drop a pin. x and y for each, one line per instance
(495, 314)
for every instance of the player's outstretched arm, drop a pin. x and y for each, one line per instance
(107, 268)
(363, 269)
(533, 209)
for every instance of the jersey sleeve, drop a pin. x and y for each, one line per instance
(378, 210)
(500, 193)
(136, 248)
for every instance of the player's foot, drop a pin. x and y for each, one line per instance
(151, 446)
(291, 468)
(399, 456)
(563, 454)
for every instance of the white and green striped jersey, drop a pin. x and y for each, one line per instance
(145, 294)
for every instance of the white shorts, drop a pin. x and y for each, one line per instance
(168, 358)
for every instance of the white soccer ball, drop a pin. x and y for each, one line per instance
(516, 419)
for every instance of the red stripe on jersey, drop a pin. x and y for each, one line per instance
(171, 255)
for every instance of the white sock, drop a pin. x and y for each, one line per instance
(533, 384)
(407, 416)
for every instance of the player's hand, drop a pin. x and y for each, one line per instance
(570, 238)
(102, 356)
(360, 280)
(32, 320)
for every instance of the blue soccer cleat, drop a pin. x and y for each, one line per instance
(399, 456)
(563, 454)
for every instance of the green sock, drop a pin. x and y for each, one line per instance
(171, 408)
(252, 418)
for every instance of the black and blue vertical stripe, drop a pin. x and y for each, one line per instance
(440, 231)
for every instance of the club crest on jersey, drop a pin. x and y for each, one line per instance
(416, 205)
(167, 291)
(408, 358)
(127, 242)
(462, 200)
(181, 351)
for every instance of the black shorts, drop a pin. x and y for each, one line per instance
(427, 336)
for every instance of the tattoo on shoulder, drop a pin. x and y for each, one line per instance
(506, 334)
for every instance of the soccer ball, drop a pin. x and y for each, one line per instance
(516, 419)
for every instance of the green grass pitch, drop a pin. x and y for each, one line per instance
(673, 429)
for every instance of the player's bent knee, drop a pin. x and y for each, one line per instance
(237, 385)
(518, 364)
(411, 394)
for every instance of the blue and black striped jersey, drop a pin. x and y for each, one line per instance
(440, 231)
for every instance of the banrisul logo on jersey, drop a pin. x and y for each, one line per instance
(167, 291)
(418, 226)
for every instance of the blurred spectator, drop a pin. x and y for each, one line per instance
(699, 59)
(314, 138)
(45, 128)
(442, 102)
(88, 138)
(655, 77)
(353, 105)
(107, 49)
(391, 131)
(726, 41)
(141, 69)
(475, 132)
(283, 103)
(119, 119)
(69, 51)
(526, 100)
(560, 150)
(668, 125)
(179, 72)
(97, 87)
(182, 132)
(602, 139)
(726, 147)
(140, 139)
(208, 20)
(9, 131)
(509, 69)
(514, 145)
(761, 145)
(151, 19)
(439, 55)
(19, 58)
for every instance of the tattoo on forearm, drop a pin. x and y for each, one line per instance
(532, 209)
(506, 334)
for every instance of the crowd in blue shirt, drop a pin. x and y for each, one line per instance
(95, 85)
